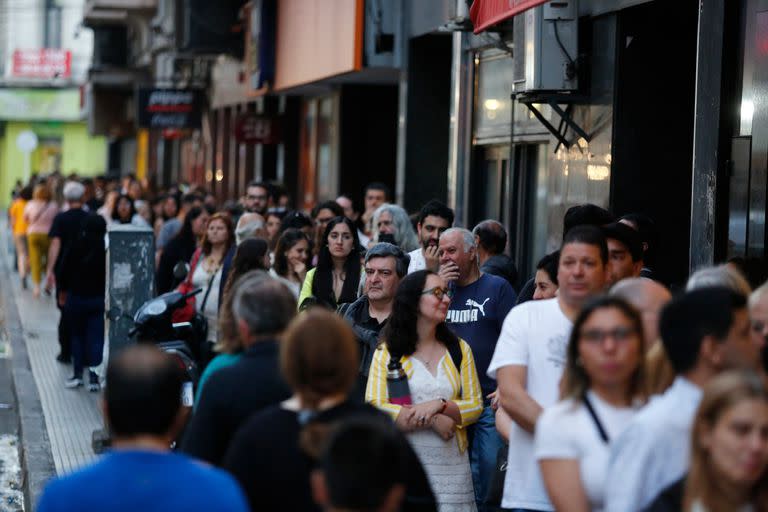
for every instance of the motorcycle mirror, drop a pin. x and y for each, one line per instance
(181, 270)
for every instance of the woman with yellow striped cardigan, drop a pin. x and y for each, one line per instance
(446, 399)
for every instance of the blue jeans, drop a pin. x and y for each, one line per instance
(85, 322)
(484, 444)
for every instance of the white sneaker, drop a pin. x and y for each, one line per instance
(73, 383)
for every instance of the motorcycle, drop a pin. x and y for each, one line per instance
(153, 324)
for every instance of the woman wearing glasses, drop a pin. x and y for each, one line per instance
(443, 382)
(602, 389)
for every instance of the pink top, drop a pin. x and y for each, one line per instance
(40, 216)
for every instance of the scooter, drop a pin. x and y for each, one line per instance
(153, 324)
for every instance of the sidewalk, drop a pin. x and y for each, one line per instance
(70, 416)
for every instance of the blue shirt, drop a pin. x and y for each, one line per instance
(146, 481)
(476, 314)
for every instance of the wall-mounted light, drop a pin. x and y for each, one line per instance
(219, 175)
(598, 172)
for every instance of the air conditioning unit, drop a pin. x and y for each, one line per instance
(546, 48)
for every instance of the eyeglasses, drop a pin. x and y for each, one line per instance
(618, 334)
(439, 292)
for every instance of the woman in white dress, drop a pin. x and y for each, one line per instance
(218, 238)
(443, 382)
(602, 390)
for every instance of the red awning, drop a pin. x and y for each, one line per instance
(485, 13)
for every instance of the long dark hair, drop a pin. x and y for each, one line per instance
(285, 243)
(185, 233)
(576, 381)
(400, 333)
(116, 215)
(322, 284)
(249, 255)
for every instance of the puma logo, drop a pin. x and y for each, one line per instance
(481, 307)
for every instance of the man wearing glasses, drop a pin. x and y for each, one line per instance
(478, 307)
(530, 356)
(385, 266)
(257, 199)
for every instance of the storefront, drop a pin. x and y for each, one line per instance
(63, 142)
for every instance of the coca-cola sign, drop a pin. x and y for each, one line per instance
(169, 108)
(42, 63)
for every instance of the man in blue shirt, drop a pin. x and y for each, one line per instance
(478, 308)
(142, 405)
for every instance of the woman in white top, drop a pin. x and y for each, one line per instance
(602, 389)
(218, 238)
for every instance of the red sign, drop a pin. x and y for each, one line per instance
(44, 63)
(485, 13)
(253, 128)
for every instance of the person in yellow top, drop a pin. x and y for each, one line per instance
(443, 382)
(19, 229)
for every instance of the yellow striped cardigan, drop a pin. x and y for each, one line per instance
(466, 387)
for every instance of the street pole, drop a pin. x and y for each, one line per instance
(706, 133)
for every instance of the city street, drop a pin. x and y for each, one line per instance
(55, 423)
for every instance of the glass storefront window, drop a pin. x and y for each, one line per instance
(494, 87)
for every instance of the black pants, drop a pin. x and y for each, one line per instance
(65, 342)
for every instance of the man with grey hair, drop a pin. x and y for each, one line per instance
(478, 308)
(391, 224)
(385, 266)
(63, 232)
(262, 308)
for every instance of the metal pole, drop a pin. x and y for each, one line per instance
(706, 133)
(460, 112)
(402, 102)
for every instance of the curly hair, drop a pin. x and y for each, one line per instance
(400, 333)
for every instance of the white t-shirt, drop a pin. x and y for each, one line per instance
(581, 440)
(417, 261)
(535, 335)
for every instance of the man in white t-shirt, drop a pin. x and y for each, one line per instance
(434, 218)
(530, 356)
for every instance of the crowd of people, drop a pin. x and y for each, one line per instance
(375, 360)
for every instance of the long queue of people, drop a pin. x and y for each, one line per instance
(593, 388)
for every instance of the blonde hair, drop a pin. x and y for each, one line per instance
(42, 192)
(703, 484)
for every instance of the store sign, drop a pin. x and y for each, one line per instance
(253, 128)
(169, 108)
(486, 13)
(260, 44)
(42, 63)
(40, 104)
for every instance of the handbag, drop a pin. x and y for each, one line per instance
(186, 312)
(496, 486)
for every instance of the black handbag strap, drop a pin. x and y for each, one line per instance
(598, 424)
(208, 290)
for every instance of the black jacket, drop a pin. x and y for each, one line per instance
(669, 500)
(230, 396)
(367, 330)
(501, 265)
(274, 472)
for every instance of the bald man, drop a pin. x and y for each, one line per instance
(648, 297)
